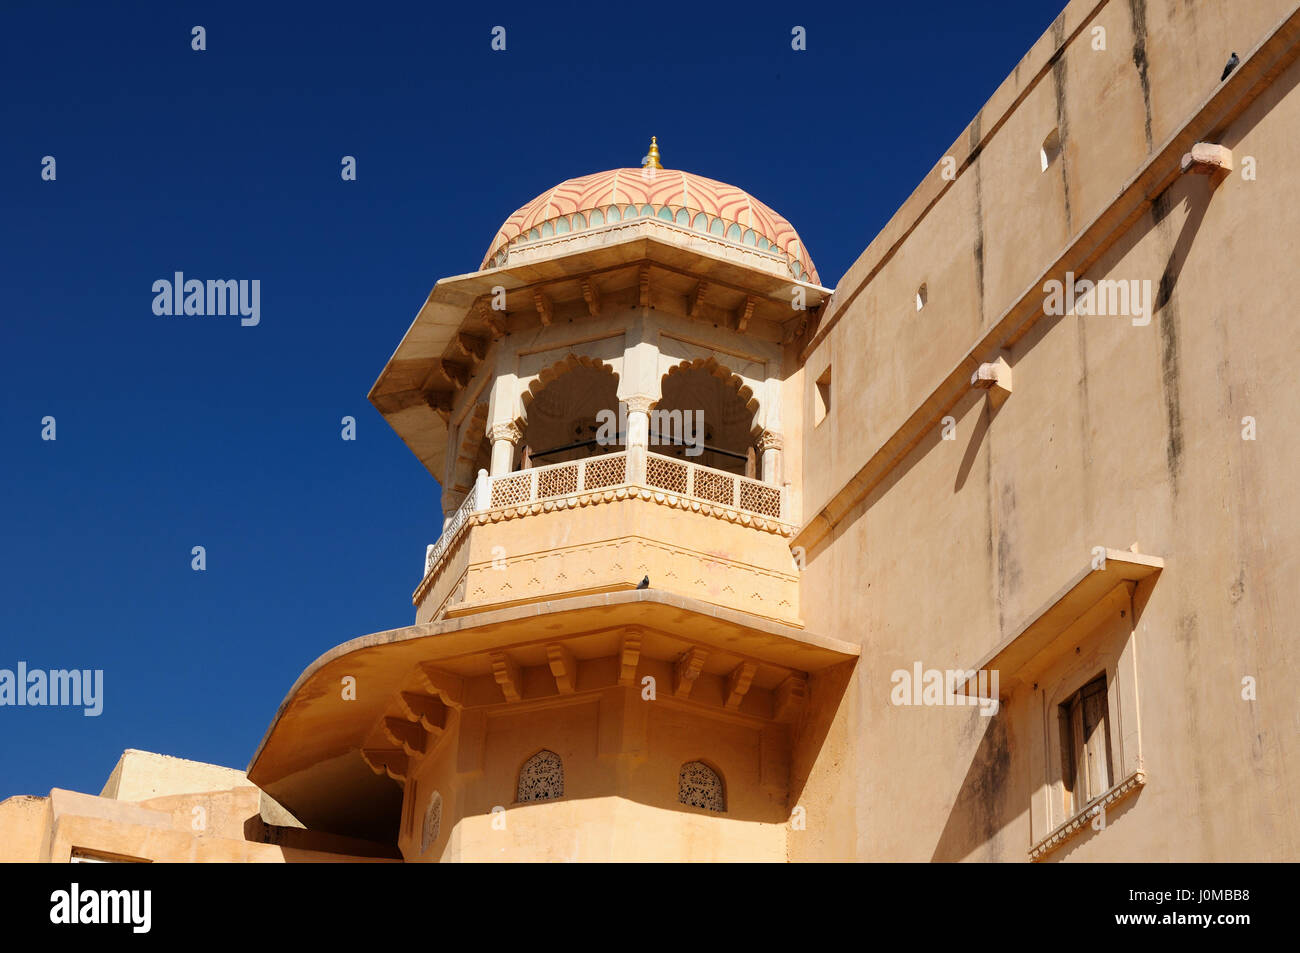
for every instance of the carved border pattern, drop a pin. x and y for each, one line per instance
(1081, 820)
(662, 497)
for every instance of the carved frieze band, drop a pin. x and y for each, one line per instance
(1085, 817)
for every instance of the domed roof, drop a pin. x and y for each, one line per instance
(682, 198)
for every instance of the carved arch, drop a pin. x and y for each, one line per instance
(553, 373)
(729, 377)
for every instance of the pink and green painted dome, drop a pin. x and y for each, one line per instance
(680, 198)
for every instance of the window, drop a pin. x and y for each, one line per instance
(1085, 745)
(698, 785)
(922, 296)
(432, 823)
(822, 397)
(541, 778)
(1051, 148)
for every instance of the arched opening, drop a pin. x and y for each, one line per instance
(698, 785)
(706, 416)
(565, 417)
(541, 778)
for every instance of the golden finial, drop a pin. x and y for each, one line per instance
(651, 161)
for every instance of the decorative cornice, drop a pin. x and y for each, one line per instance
(661, 497)
(1081, 820)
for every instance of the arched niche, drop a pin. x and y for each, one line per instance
(563, 412)
(704, 391)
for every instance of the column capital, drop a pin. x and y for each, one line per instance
(768, 440)
(639, 403)
(507, 431)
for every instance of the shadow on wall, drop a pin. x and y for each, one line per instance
(984, 804)
(828, 690)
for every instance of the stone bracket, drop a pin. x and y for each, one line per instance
(738, 682)
(1208, 158)
(564, 667)
(448, 687)
(592, 295)
(545, 309)
(791, 697)
(390, 761)
(407, 735)
(687, 670)
(506, 672)
(629, 656)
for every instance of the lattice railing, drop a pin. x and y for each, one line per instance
(688, 480)
(713, 486)
(438, 549)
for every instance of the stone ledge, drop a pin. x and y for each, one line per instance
(1094, 807)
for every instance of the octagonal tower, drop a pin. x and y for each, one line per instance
(607, 660)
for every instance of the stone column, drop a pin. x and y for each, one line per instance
(637, 436)
(505, 437)
(638, 420)
(770, 445)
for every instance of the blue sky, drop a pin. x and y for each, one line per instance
(194, 431)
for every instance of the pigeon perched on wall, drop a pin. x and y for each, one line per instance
(644, 583)
(1233, 60)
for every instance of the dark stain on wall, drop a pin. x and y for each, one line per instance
(1186, 634)
(980, 810)
(1138, 14)
(1008, 566)
(1085, 415)
(1166, 306)
(1062, 117)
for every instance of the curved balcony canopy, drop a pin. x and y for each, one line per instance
(320, 756)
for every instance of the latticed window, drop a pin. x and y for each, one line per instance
(541, 778)
(700, 786)
(432, 822)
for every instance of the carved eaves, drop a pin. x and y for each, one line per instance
(449, 688)
(390, 761)
(429, 711)
(407, 735)
(471, 347)
(495, 320)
